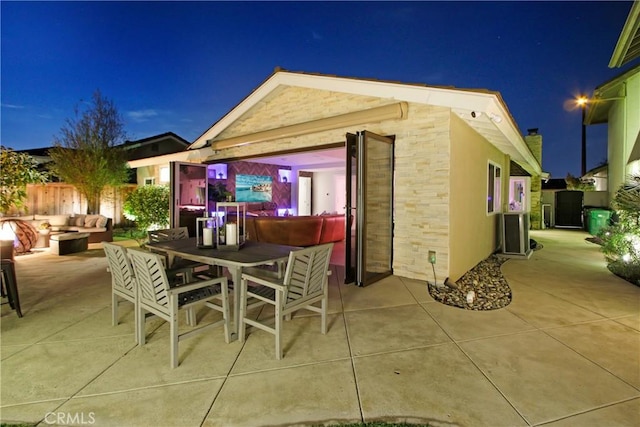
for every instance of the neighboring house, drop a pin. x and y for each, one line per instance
(617, 103)
(453, 154)
(598, 176)
(154, 147)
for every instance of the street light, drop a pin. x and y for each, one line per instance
(582, 102)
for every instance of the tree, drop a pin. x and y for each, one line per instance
(17, 170)
(86, 153)
(574, 183)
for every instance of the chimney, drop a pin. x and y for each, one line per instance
(534, 142)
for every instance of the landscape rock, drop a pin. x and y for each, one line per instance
(490, 289)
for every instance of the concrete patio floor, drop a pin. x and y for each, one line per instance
(565, 352)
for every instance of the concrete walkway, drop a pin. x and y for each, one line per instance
(565, 352)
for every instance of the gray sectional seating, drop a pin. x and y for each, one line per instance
(99, 227)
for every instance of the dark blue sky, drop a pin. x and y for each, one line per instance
(180, 66)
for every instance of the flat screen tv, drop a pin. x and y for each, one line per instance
(253, 188)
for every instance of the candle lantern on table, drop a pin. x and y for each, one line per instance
(205, 232)
(231, 230)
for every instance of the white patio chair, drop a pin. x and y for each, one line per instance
(157, 296)
(304, 284)
(123, 284)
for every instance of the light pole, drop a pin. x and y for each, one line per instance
(582, 102)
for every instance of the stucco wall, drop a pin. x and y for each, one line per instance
(623, 129)
(473, 234)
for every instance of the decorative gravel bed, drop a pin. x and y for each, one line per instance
(481, 288)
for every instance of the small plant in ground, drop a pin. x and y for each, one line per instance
(148, 207)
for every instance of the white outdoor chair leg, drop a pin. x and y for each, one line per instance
(323, 315)
(225, 314)
(114, 309)
(174, 333)
(141, 318)
(278, 325)
(243, 310)
(191, 316)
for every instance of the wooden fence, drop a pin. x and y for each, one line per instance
(55, 198)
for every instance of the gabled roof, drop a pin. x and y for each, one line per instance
(164, 144)
(628, 47)
(554, 184)
(483, 110)
(129, 145)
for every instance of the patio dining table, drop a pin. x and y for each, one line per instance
(252, 254)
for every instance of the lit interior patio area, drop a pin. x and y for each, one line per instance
(564, 352)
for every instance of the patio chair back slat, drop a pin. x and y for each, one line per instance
(168, 234)
(152, 280)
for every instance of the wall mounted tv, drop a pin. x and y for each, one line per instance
(253, 188)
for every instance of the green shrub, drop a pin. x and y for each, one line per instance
(621, 241)
(148, 206)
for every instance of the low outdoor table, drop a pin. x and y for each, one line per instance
(68, 243)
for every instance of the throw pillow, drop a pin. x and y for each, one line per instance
(90, 220)
(77, 220)
(102, 221)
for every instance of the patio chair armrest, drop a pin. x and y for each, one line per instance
(180, 289)
(264, 281)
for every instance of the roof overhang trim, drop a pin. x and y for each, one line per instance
(194, 156)
(628, 46)
(502, 133)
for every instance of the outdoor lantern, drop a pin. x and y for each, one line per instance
(230, 232)
(205, 232)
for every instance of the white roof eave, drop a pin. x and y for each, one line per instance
(503, 135)
(194, 156)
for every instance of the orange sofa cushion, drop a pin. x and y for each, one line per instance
(333, 228)
(293, 230)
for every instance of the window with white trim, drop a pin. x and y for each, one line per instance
(150, 181)
(494, 185)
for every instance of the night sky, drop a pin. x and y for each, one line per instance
(180, 66)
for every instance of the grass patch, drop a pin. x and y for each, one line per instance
(381, 424)
(120, 234)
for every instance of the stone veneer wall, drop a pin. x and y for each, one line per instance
(280, 191)
(534, 142)
(422, 160)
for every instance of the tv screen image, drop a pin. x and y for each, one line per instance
(253, 188)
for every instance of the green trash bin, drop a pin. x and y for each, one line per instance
(598, 219)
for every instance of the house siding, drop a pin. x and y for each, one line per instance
(623, 130)
(474, 234)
